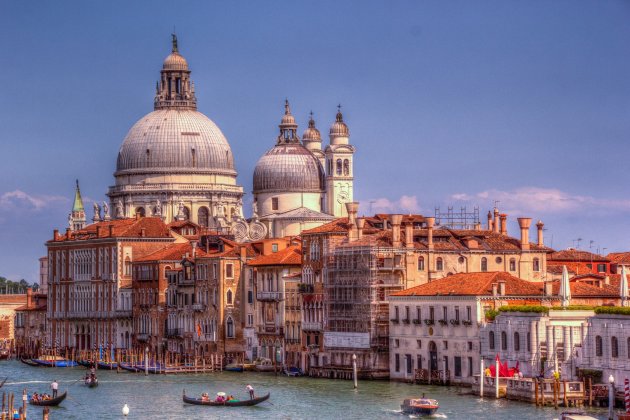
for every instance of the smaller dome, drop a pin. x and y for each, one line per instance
(175, 61)
(339, 128)
(288, 121)
(311, 133)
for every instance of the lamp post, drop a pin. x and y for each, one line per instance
(611, 397)
(146, 361)
(354, 370)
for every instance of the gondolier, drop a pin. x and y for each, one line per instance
(54, 386)
(250, 389)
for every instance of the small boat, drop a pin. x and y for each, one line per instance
(29, 362)
(575, 415)
(108, 365)
(249, 367)
(85, 363)
(4, 354)
(419, 406)
(233, 403)
(234, 367)
(91, 382)
(264, 365)
(293, 371)
(50, 402)
(130, 367)
(60, 362)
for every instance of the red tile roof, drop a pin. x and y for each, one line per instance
(474, 284)
(172, 252)
(336, 226)
(153, 227)
(289, 256)
(575, 255)
(619, 257)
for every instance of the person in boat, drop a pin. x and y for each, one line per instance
(220, 397)
(205, 397)
(55, 387)
(250, 389)
(35, 397)
(230, 398)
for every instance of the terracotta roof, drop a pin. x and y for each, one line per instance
(575, 255)
(153, 227)
(557, 269)
(336, 226)
(474, 284)
(619, 257)
(289, 256)
(172, 252)
(581, 290)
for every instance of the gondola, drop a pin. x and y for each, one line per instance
(56, 363)
(85, 363)
(108, 365)
(129, 367)
(51, 402)
(237, 403)
(2, 383)
(29, 362)
(91, 382)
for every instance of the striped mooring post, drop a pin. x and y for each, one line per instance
(626, 395)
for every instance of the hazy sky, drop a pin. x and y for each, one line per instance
(448, 103)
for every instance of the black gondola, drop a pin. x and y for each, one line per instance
(51, 402)
(237, 403)
(28, 362)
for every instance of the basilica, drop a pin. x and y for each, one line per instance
(175, 163)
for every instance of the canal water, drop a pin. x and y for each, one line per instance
(160, 397)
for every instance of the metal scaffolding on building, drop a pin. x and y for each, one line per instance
(463, 219)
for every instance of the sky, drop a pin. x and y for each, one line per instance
(457, 103)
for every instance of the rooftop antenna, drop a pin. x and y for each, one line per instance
(371, 202)
(496, 204)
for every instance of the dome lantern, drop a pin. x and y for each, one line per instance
(339, 129)
(175, 89)
(288, 127)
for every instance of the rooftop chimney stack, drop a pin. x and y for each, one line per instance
(495, 288)
(67, 233)
(548, 288)
(352, 209)
(143, 232)
(430, 224)
(502, 288)
(524, 223)
(29, 297)
(409, 235)
(503, 218)
(540, 225)
(489, 220)
(55, 234)
(495, 222)
(194, 249)
(111, 230)
(360, 225)
(396, 221)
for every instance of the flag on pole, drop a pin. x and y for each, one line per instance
(198, 330)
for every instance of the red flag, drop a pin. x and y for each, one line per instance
(198, 330)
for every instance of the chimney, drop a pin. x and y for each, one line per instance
(98, 231)
(29, 297)
(396, 220)
(524, 223)
(502, 287)
(430, 224)
(360, 225)
(67, 233)
(352, 209)
(243, 254)
(489, 220)
(503, 218)
(111, 230)
(143, 232)
(478, 226)
(540, 225)
(495, 222)
(409, 235)
(55, 234)
(494, 289)
(548, 288)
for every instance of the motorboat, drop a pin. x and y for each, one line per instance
(264, 365)
(293, 371)
(419, 406)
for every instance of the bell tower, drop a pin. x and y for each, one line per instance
(339, 168)
(76, 219)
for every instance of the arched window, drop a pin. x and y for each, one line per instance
(140, 211)
(229, 327)
(338, 166)
(536, 264)
(229, 297)
(202, 216)
(512, 264)
(346, 167)
(420, 263)
(186, 213)
(517, 342)
(503, 340)
(484, 264)
(598, 346)
(127, 266)
(614, 347)
(491, 340)
(439, 264)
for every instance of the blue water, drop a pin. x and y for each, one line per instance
(159, 397)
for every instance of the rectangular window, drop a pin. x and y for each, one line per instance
(419, 361)
(431, 313)
(250, 319)
(529, 341)
(396, 343)
(308, 339)
(601, 268)
(250, 296)
(468, 313)
(457, 313)
(470, 346)
(445, 344)
(470, 366)
(229, 271)
(409, 363)
(407, 313)
(274, 247)
(419, 342)
(397, 362)
(458, 366)
(396, 316)
(274, 203)
(418, 313)
(445, 313)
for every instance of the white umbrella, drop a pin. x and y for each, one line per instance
(565, 289)
(623, 286)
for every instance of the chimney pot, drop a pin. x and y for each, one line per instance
(352, 209)
(540, 226)
(548, 288)
(143, 232)
(495, 223)
(67, 233)
(495, 287)
(524, 223)
(55, 234)
(98, 231)
(490, 220)
(396, 220)
(360, 226)
(502, 288)
(430, 224)
(503, 218)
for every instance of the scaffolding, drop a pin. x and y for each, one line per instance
(462, 220)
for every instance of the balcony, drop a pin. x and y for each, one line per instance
(312, 326)
(306, 288)
(142, 337)
(173, 332)
(270, 329)
(124, 314)
(269, 296)
(199, 307)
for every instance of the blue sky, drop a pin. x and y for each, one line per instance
(449, 103)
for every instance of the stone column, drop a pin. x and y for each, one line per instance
(565, 342)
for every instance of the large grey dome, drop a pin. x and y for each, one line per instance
(288, 167)
(175, 140)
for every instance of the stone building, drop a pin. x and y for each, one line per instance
(435, 328)
(579, 262)
(8, 305)
(30, 324)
